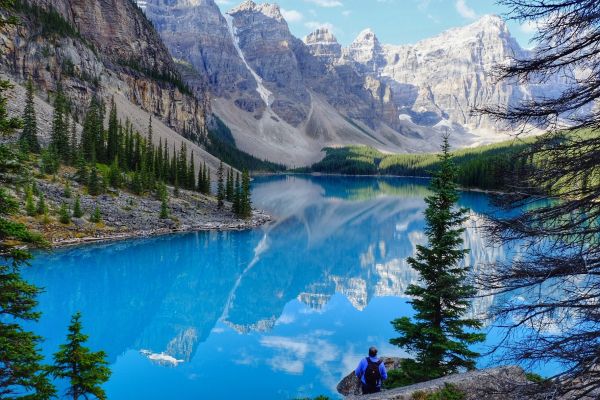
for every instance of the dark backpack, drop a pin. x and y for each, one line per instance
(372, 374)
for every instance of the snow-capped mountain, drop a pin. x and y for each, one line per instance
(284, 99)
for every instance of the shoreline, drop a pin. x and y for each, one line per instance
(259, 218)
(460, 188)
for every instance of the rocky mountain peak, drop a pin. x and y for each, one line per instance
(320, 36)
(268, 10)
(367, 36)
(323, 44)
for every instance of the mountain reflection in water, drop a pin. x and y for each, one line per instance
(285, 310)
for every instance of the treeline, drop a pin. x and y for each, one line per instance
(120, 157)
(220, 143)
(483, 167)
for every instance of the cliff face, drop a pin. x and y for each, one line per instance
(285, 98)
(98, 47)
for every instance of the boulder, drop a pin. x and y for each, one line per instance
(502, 383)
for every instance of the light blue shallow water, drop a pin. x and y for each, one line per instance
(279, 312)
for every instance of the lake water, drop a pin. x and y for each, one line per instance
(280, 312)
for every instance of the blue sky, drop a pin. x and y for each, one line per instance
(393, 21)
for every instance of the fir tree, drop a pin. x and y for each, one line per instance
(64, 216)
(29, 136)
(191, 181)
(21, 371)
(207, 182)
(29, 205)
(77, 211)
(41, 207)
(67, 190)
(237, 195)
(439, 337)
(49, 161)
(114, 174)
(137, 186)
(75, 149)
(158, 161)
(220, 186)
(91, 135)
(112, 145)
(85, 370)
(96, 216)
(150, 149)
(59, 137)
(229, 187)
(164, 209)
(245, 199)
(94, 184)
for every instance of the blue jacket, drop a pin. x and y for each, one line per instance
(362, 367)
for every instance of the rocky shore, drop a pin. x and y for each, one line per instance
(501, 383)
(125, 215)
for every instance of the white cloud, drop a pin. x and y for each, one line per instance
(326, 3)
(464, 10)
(346, 13)
(292, 15)
(529, 27)
(223, 2)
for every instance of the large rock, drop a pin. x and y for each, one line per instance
(502, 383)
(350, 385)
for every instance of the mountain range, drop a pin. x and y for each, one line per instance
(246, 77)
(284, 98)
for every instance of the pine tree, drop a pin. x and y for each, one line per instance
(114, 174)
(112, 145)
(150, 149)
(94, 184)
(85, 370)
(41, 207)
(440, 335)
(89, 133)
(77, 211)
(75, 150)
(96, 216)
(29, 205)
(158, 161)
(49, 161)
(29, 137)
(59, 139)
(137, 186)
(20, 361)
(245, 199)
(207, 181)
(237, 196)
(64, 216)
(220, 186)
(191, 175)
(229, 187)
(67, 190)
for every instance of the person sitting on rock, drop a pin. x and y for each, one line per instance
(371, 372)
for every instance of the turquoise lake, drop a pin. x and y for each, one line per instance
(279, 312)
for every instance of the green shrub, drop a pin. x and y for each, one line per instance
(535, 378)
(96, 216)
(64, 216)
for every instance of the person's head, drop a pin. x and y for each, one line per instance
(372, 351)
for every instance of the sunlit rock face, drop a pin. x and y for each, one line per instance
(276, 92)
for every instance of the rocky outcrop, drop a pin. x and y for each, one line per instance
(502, 383)
(99, 48)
